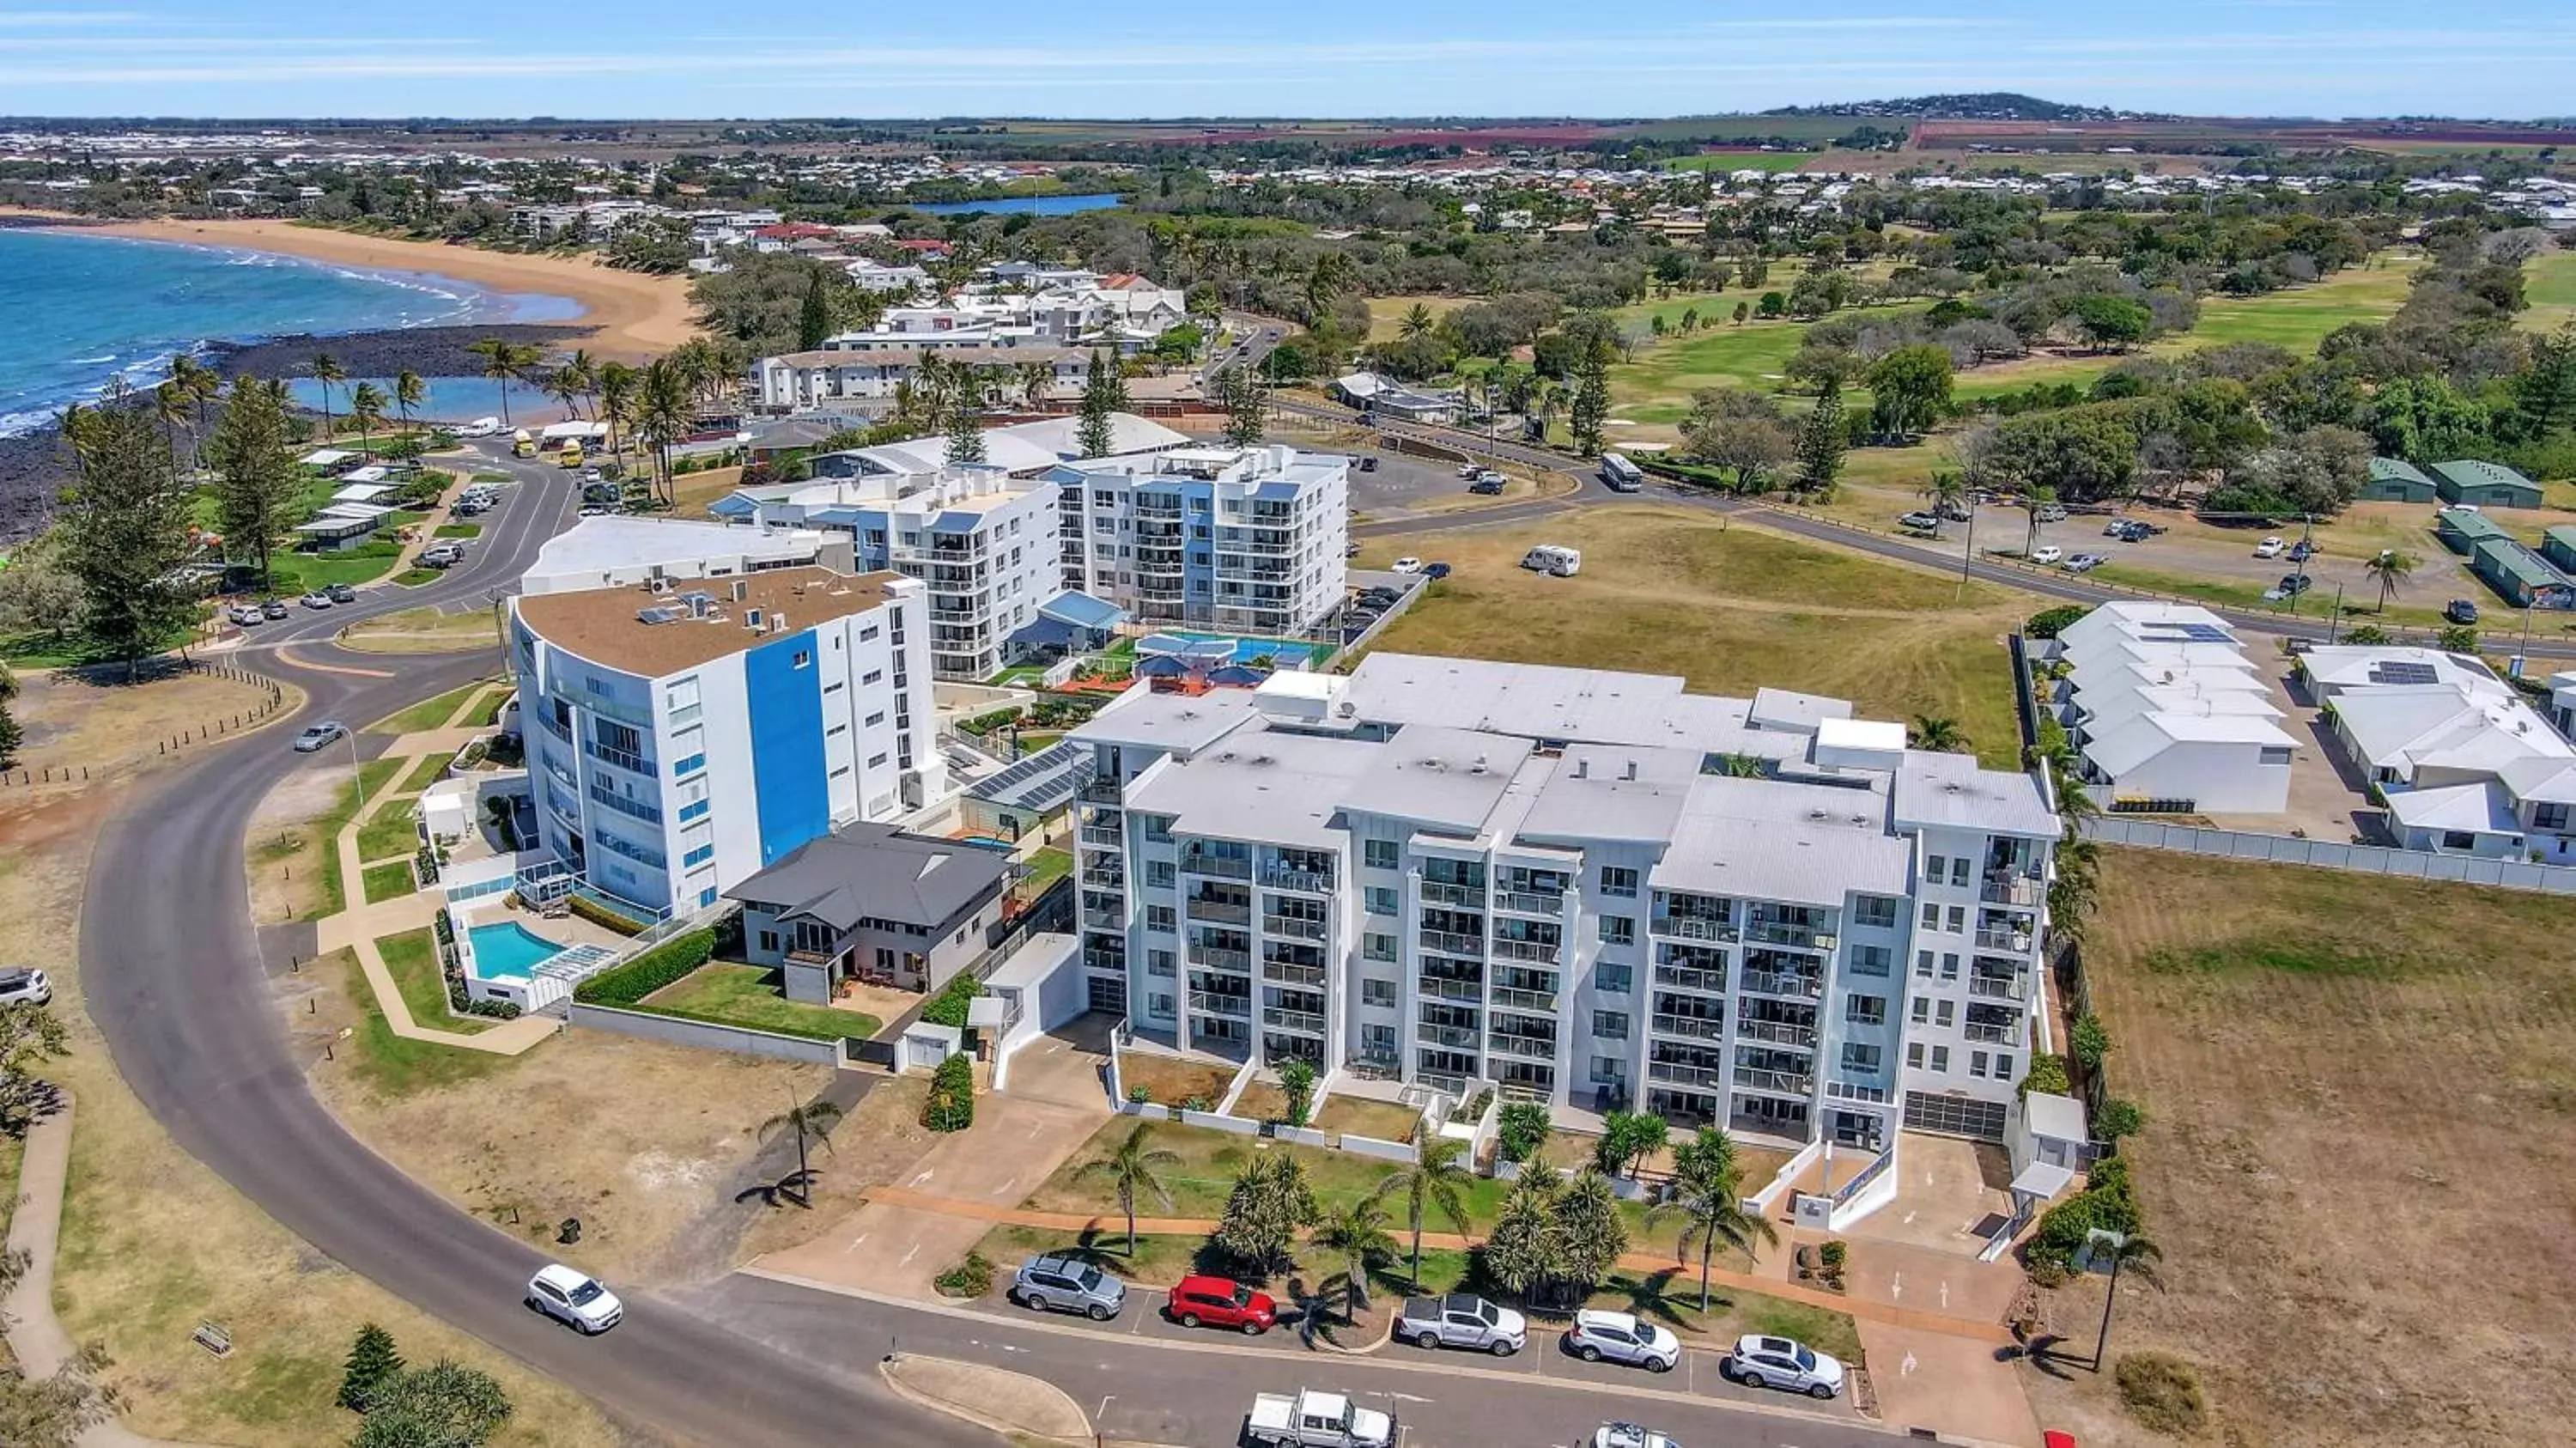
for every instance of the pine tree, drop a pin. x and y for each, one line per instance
(1246, 409)
(256, 484)
(10, 737)
(965, 430)
(1096, 434)
(373, 1362)
(1821, 440)
(125, 523)
(1591, 402)
(814, 323)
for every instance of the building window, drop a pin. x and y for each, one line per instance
(1870, 960)
(1944, 1012)
(1159, 917)
(1377, 1039)
(1949, 966)
(1158, 1005)
(1922, 965)
(872, 676)
(682, 769)
(868, 634)
(2273, 754)
(2549, 816)
(1878, 912)
(692, 811)
(1619, 881)
(1161, 874)
(1610, 1025)
(1379, 900)
(1608, 1071)
(1959, 867)
(698, 856)
(1922, 1010)
(2459, 840)
(2003, 1065)
(1376, 946)
(1857, 1057)
(1934, 867)
(1613, 979)
(1977, 1064)
(1380, 854)
(1159, 962)
(1377, 992)
(1914, 1054)
(1618, 930)
(1958, 919)
(1865, 1010)
(1941, 1059)
(876, 761)
(769, 941)
(1931, 916)
(876, 719)
(804, 659)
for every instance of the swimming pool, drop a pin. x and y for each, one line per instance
(1248, 649)
(506, 951)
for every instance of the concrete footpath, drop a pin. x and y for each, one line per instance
(36, 1335)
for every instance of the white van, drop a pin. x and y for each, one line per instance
(1550, 559)
(1620, 474)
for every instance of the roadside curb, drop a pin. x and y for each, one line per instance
(1393, 1363)
(918, 1398)
(1385, 1334)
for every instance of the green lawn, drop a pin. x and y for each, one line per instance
(388, 882)
(1742, 161)
(390, 831)
(424, 774)
(1045, 868)
(417, 577)
(48, 651)
(748, 996)
(412, 957)
(2549, 284)
(375, 776)
(393, 1065)
(459, 530)
(428, 713)
(294, 573)
(2231, 593)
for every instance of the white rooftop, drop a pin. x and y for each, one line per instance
(593, 550)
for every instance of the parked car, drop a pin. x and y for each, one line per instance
(1057, 1283)
(1782, 1362)
(1462, 1320)
(1310, 1419)
(1222, 1302)
(441, 555)
(1407, 564)
(2269, 548)
(1629, 1435)
(342, 593)
(2460, 610)
(594, 511)
(1489, 475)
(1435, 571)
(317, 735)
(2302, 551)
(2083, 563)
(315, 600)
(1368, 462)
(2047, 556)
(1487, 486)
(245, 615)
(1623, 1338)
(1350, 550)
(275, 608)
(24, 985)
(1919, 521)
(1955, 512)
(1469, 470)
(2290, 586)
(575, 1299)
(2051, 513)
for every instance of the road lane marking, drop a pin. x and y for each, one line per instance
(909, 1254)
(291, 660)
(854, 1244)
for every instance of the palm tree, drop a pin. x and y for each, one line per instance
(617, 383)
(812, 1118)
(409, 392)
(1707, 1197)
(367, 410)
(505, 362)
(203, 385)
(663, 413)
(580, 369)
(326, 370)
(2033, 501)
(1035, 378)
(1356, 1236)
(1743, 766)
(2138, 1255)
(1436, 1182)
(1944, 488)
(1134, 1167)
(1416, 323)
(2389, 569)
(170, 403)
(566, 386)
(1938, 735)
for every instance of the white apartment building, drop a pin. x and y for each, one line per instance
(868, 367)
(614, 552)
(1584, 888)
(983, 541)
(680, 739)
(1248, 540)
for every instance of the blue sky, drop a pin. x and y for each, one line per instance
(686, 58)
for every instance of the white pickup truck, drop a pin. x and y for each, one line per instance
(1318, 1420)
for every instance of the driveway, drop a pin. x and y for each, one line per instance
(1063, 1067)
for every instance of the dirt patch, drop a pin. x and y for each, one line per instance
(94, 720)
(1382, 1120)
(1170, 1080)
(422, 631)
(877, 1142)
(283, 850)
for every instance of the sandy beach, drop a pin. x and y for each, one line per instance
(630, 316)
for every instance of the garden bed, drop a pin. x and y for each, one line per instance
(1383, 1120)
(1170, 1080)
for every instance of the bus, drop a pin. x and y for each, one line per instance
(1622, 475)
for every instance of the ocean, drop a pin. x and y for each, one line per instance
(85, 309)
(1031, 205)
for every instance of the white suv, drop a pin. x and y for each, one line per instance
(1782, 1362)
(1623, 1338)
(570, 1297)
(24, 985)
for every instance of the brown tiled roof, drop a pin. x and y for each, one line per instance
(601, 624)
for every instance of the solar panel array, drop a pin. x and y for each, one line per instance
(2404, 673)
(1039, 783)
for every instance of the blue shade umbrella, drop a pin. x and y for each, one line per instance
(1241, 676)
(1162, 666)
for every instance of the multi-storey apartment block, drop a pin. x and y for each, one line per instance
(683, 737)
(1585, 888)
(1242, 539)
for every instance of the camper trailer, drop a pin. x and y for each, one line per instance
(1550, 559)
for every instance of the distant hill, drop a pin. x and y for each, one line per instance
(1982, 106)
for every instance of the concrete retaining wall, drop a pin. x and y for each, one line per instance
(2325, 854)
(1301, 1136)
(1371, 1146)
(705, 1035)
(1218, 1121)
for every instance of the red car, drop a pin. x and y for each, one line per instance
(1219, 1302)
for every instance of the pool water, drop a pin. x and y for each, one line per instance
(508, 952)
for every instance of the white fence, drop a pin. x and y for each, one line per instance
(2360, 859)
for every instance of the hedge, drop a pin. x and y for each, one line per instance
(949, 1007)
(649, 972)
(951, 1106)
(603, 917)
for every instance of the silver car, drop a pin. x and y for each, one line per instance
(1623, 1338)
(1058, 1283)
(1782, 1362)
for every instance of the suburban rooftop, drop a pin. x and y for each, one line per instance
(605, 626)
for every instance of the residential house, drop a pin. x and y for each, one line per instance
(872, 903)
(2167, 711)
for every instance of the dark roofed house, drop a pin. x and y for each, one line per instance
(2395, 480)
(2484, 485)
(873, 903)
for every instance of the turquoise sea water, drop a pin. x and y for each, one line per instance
(84, 309)
(1032, 205)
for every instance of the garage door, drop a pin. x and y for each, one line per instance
(1108, 993)
(1954, 1116)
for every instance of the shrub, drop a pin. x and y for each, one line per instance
(1473, 1109)
(2047, 1076)
(970, 1279)
(1520, 1131)
(983, 724)
(1297, 1082)
(1140, 1094)
(603, 917)
(2119, 1117)
(2046, 623)
(471, 755)
(2162, 1392)
(949, 1007)
(649, 972)
(2105, 1202)
(2090, 1041)
(951, 1106)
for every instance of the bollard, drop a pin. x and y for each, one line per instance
(309, 1008)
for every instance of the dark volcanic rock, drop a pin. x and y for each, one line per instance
(429, 351)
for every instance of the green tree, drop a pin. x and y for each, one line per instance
(1520, 1130)
(1947, 492)
(1094, 433)
(1590, 1230)
(47, 1412)
(2089, 1041)
(2131, 1254)
(1297, 1083)
(1525, 1251)
(1909, 390)
(1134, 1169)
(1821, 441)
(2457, 638)
(1436, 1183)
(409, 392)
(257, 480)
(367, 403)
(1591, 409)
(814, 317)
(618, 384)
(1269, 1203)
(1938, 735)
(664, 413)
(444, 1405)
(2388, 570)
(327, 373)
(1742, 432)
(1417, 322)
(1355, 1236)
(373, 1361)
(11, 737)
(505, 362)
(965, 429)
(2034, 501)
(2112, 322)
(30, 1036)
(1246, 406)
(1707, 1199)
(1627, 1139)
(125, 523)
(809, 1120)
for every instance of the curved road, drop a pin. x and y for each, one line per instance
(175, 981)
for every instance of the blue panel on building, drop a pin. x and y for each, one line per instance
(787, 770)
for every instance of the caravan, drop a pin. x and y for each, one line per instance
(1550, 559)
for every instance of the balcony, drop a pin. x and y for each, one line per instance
(1800, 937)
(1217, 957)
(2016, 941)
(625, 759)
(1860, 1091)
(633, 808)
(1528, 1048)
(1239, 1007)
(1675, 1073)
(1102, 790)
(1782, 1033)
(1104, 960)
(1692, 927)
(1471, 897)
(1536, 1002)
(1999, 987)
(1697, 1028)
(1105, 908)
(1230, 867)
(1219, 910)
(1304, 1023)
(1104, 877)
(1781, 1083)
(1777, 983)
(1450, 942)
(1458, 1037)
(1530, 902)
(1281, 973)
(1107, 837)
(1292, 927)
(1311, 882)
(1682, 977)
(1509, 948)
(1992, 1035)
(2023, 892)
(1442, 988)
